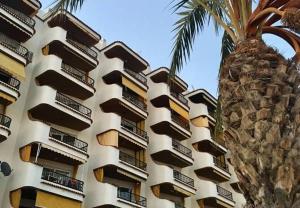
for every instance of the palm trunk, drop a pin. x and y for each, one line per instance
(261, 110)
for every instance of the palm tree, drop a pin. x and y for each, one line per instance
(259, 91)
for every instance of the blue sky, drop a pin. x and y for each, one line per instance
(146, 26)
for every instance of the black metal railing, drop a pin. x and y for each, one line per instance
(132, 160)
(73, 104)
(134, 129)
(180, 97)
(178, 205)
(13, 82)
(180, 121)
(60, 179)
(5, 120)
(218, 163)
(88, 51)
(77, 74)
(139, 76)
(134, 100)
(224, 193)
(16, 47)
(183, 178)
(68, 139)
(181, 148)
(131, 197)
(19, 15)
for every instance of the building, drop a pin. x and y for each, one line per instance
(90, 124)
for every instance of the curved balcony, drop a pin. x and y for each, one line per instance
(15, 49)
(171, 182)
(10, 87)
(164, 122)
(214, 195)
(64, 78)
(203, 142)
(115, 99)
(71, 52)
(37, 177)
(113, 196)
(49, 106)
(18, 25)
(210, 167)
(128, 126)
(170, 151)
(5, 122)
(120, 165)
(28, 7)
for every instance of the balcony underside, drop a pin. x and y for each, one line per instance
(116, 106)
(49, 154)
(48, 113)
(214, 202)
(170, 189)
(236, 186)
(169, 157)
(112, 171)
(26, 6)
(65, 85)
(71, 57)
(210, 147)
(113, 77)
(14, 30)
(106, 206)
(167, 128)
(212, 174)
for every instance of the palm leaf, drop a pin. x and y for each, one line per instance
(68, 5)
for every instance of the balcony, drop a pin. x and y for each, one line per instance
(51, 106)
(128, 126)
(138, 76)
(16, 48)
(181, 122)
(66, 79)
(183, 178)
(5, 122)
(131, 197)
(130, 97)
(17, 25)
(132, 161)
(10, 87)
(85, 49)
(27, 7)
(51, 176)
(222, 165)
(181, 148)
(68, 140)
(224, 193)
(73, 105)
(180, 97)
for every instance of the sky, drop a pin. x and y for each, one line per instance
(146, 27)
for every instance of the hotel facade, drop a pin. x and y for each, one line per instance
(87, 124)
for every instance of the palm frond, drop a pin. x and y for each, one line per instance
(227, 47)
(192, 21)
(69, 5)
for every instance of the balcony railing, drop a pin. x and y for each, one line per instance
(5, 120)
(131, 197)
(181, 148)
(77, 74)
(224, 193)
(218, 163)
(88, 51)
(134, 129)
(132, 160)
(212, 113)
(10, 81)
(134, 100)
(63, 180)
(73, 104)
(180, 97)
(180, 121)
(19, 15)
(183, 178)
(139, 76)
(68, 139)
(15, 47)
